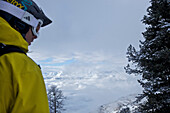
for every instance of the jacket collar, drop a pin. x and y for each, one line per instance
(10, 36)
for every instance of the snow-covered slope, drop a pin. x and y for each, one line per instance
(127, 104)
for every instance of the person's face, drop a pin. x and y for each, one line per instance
(30, 36)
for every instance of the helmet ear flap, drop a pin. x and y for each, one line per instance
(20, 26)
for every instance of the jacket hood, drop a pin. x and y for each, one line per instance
(10, 36)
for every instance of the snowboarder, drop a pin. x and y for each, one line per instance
(22, 88)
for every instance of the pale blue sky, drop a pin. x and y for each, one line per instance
(91, 25)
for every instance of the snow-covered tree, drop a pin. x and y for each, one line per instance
(55, 98)
(152, 60)
(125, 110)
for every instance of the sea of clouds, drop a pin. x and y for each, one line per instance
(88, 80)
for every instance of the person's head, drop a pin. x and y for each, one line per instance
(24, 16)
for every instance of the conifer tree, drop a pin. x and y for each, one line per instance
(152, 60)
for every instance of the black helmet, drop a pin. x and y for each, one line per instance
(25, 11)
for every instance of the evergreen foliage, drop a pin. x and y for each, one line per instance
(55, 99)
(152, 60)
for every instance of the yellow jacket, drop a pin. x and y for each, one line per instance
(22, 88)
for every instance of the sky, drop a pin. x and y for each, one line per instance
(83, 51)
(90, 26)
